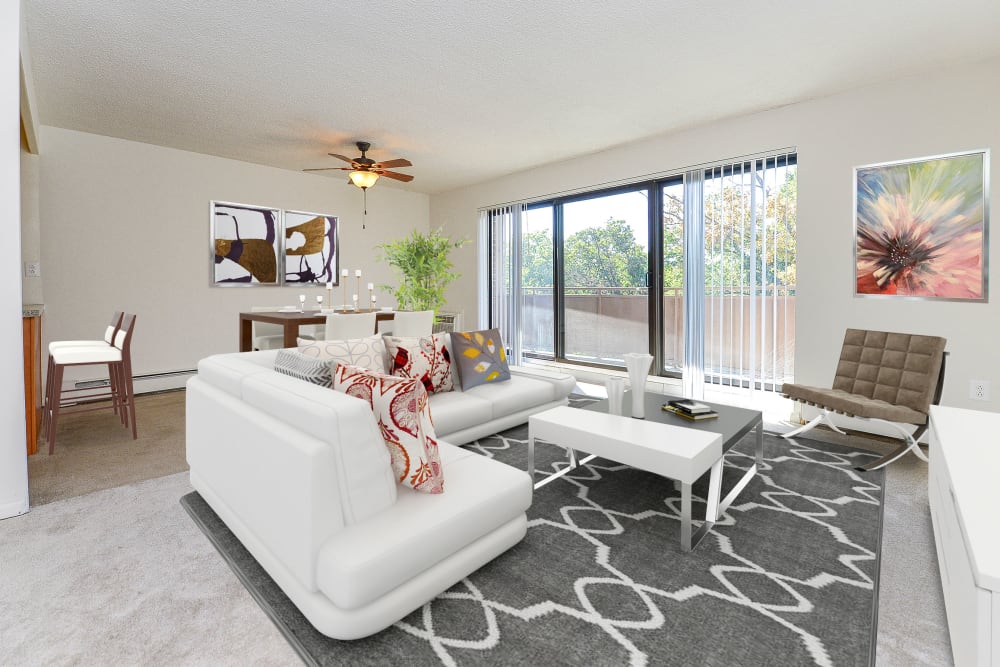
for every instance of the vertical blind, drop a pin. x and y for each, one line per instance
(749, 263)
(500, 231)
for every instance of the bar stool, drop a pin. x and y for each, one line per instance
(108, 340)
(117, 357)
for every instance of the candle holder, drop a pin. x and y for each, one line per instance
(358, 276)
(329, 294)
(343, 276)
(302, 302)
(319, 302)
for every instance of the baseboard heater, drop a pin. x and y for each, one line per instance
(164, 380)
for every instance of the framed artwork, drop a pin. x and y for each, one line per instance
(311, 250)
(921, 228)
(245, 244)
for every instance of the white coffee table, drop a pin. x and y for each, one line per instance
(682, 454)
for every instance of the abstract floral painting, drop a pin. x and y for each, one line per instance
(311, 249)
(921, 228)
(245, 243)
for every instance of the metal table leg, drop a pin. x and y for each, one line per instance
(689, 541)
(749, 474)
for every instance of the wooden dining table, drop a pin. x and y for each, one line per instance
(291, 321)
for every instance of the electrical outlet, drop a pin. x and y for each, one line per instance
(979, 390)
(32, 269)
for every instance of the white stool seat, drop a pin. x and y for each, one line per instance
(86, 355)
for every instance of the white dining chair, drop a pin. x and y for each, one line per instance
(267, 336)
(341, 326)
(412, 323)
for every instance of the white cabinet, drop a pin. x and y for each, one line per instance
(964, 492)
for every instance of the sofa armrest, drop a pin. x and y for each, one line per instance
(564, 382)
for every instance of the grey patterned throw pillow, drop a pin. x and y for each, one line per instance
(298, 365)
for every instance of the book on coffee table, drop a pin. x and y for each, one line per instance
(680, 412)
(690, 407)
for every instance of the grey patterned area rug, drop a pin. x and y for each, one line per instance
(788, 577)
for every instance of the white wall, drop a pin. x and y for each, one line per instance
(13, 464)
(942, 112)
(125, 226)
(31, 287)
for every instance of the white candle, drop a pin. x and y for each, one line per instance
(371, 286)
(329, 285)
(345, 273)
(357, 273)
(355, 298)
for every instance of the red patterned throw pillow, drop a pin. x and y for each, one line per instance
(426, 359)
(404, 417)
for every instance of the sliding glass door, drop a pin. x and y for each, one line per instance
(696, 269)
(605, 263)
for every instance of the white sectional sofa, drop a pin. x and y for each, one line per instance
(301, 476)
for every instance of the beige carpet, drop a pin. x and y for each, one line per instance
(94, 452)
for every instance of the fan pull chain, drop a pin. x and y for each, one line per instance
(364, 194)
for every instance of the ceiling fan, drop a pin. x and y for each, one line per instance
(365, 171)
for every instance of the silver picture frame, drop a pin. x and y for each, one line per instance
(245, 244)
(921, 228)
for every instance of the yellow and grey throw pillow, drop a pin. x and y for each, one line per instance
(480, 357)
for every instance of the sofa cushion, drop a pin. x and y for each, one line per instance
(455, 410)
(344, 424)
(404, 417)
(425, 358)
(363, 562)
(368, 352)
(305, 367)
(519, 393)
(227, 371)
(480, 357)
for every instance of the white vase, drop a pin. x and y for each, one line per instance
(616, 392)
(638, 364)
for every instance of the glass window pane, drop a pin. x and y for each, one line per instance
(605, 266)
(673, 276)
(537, 309)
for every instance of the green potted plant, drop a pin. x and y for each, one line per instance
(424, 269)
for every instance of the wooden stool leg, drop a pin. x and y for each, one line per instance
(126, 370)
(56, 394)
(47, 407)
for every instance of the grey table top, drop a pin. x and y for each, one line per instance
(732, 423)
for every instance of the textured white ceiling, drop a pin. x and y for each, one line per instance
(467, 91)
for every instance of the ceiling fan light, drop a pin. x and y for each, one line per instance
(363, 179)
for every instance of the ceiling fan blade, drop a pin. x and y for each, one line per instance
(406, 178)
(329, 169)
(341, 157)
(398, 162)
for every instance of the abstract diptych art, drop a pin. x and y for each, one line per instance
(921, 228)
(250, 243)
(245, 242)
(310, 248)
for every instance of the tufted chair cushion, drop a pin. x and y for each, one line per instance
(900, 369)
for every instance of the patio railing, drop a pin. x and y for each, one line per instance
(602, 323)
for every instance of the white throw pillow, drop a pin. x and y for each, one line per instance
(426, 358)
(366, 352)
